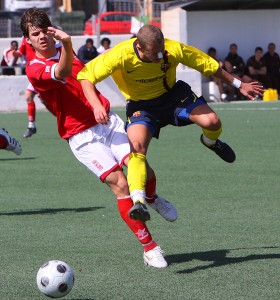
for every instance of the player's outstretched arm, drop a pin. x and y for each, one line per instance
(100, 113)
(64, 67)
(249, 90)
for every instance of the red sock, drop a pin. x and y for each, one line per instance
(3, 142)
(31, 111)
(137, 227)
(151, 189)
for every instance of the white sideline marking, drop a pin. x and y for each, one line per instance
(246, 108)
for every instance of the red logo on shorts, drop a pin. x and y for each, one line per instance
(97, 165)
(136, 114)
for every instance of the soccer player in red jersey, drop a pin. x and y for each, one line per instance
(102, 147)
(28, 52)
(9, 61)
(9, 143)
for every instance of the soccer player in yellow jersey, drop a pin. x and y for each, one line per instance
(144, 69)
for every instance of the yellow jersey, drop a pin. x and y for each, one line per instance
(139, 80)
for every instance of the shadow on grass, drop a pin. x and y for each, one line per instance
(44, 211)
(217, 258)
(17, 158)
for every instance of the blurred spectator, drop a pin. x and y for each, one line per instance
(87, 52)
(213, 53)
(8, 60)
(105, 45)
(272, 60)
(234, 63)
(256, 68)
(26, 50)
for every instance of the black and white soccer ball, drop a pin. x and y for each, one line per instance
(55, 279)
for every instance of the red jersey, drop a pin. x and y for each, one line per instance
(26, 50)
(64, 98)
(8, 58)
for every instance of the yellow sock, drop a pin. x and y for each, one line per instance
(137, 173)
(210, 136)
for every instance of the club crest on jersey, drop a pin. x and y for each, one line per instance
(136, 114)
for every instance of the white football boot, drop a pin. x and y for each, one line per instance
(154, 258)
(13, 144)
(165, 209)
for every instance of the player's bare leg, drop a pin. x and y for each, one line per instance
(31, 112)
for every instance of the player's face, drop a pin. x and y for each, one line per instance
(152, 53)
(41, 41)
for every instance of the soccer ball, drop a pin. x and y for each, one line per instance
(55, 279)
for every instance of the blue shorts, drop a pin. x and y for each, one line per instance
(171, 108)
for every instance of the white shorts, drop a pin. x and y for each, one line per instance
(31, 89)
(102, 148)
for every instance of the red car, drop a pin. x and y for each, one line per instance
(113, 22)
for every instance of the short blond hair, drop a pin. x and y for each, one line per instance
(149, 35)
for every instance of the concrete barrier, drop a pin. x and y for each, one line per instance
(12, 93)
(13, 88)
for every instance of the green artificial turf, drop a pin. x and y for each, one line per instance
(224, 245)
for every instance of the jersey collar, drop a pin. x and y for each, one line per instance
(136, 50)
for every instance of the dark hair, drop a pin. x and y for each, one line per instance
(212, 49)
(105, 40)
(259, 49)
(14, 42)
(89, 41)
(34, 17)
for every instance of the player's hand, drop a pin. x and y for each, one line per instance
(101, 115)
(59, 34)
(252, 89)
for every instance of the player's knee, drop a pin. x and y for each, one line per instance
(29, 96)
(138, 147)
(118, 184)
(212, 122)
(123, 186)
